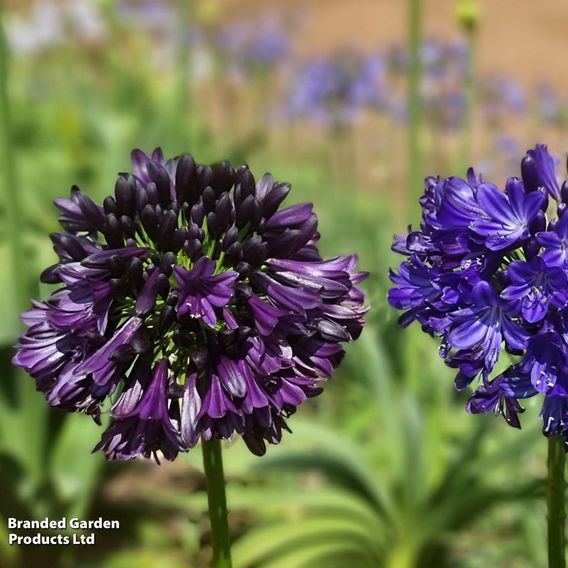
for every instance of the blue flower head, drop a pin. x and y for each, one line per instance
(487, 271)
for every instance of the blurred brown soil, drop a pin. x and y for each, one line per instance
(525, 39)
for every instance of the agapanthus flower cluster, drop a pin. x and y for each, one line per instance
(192, 305)
(335, 90)
(487, 272)
(501, 97)
(251, 46)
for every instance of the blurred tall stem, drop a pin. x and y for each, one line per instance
(414, 158)
(414, 110)
(213, 464)
(11, 196)
(555, 501)
(469, 93)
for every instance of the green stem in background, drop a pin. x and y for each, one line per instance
(414, 105)
(468, 17)
(414, 165)
(555, 502)
(469, 87)
(213, 463)
(11, 195)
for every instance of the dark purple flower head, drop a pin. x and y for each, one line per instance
(487, 272)
(197, 299)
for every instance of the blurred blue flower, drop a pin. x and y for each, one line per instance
(335, 90)
(501, 96)
(487, 271)
(444, 72)
(253, 45)
(550, 108)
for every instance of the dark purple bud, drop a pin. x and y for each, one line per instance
(167, 319)
(49, 275)
(192, 248)
(197, 214)
(274, 198)
(539, 223)
(255, 251)
(230, 237)
(152, 193)
(150, 221)
(167, 262)
(248, 212)
(67, 246)
(110, 206)
(185, 180)
(141, 197)
(136, 270)
(214, 225)
(92, 212)
(159, 175)
(204, 175)
(168, 225)
(140, 343)
(128, 225)
(224, 210)
(234, 253)
(564, 191)
(163, 286)
(531, 249)
(529, 172)
(244, 269)
(125, 194)
(209, 199)
(285, 243)
(194, 232)
(180, 236)
(112, 231)
(245, 184)
(147, 298)
(223, 177)
(332, 331)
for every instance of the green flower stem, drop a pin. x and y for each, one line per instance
(213, 462)
(469, 91)
(555, 502)
(414, 105)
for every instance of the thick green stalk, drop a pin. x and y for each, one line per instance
(469, 92)
(414, 106)
(555, 502)
(213, 463)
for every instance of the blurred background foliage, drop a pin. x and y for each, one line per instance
(385, 469)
